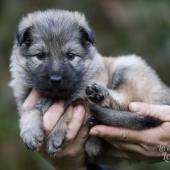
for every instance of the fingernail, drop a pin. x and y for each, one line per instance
(134, 107)
(79, 109)
(94, 132)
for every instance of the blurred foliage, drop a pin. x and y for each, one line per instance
(121, 26)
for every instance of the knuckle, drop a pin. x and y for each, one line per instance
(123, 136)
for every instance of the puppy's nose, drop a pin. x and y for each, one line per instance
(55, 79)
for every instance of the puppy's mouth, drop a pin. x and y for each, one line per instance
(61, 93)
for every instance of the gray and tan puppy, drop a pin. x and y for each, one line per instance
(54, 53)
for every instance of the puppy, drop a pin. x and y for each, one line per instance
(54, 53)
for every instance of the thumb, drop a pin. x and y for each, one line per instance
(161, 112)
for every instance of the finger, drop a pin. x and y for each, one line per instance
(52, 116)
(126, 146)
(76, 122)
(30, 101)
(161, 112)
(138, 149)
(115, 133)
(82, 135)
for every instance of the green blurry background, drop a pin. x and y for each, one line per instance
(122, 27)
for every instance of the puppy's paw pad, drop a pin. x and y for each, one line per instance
(55, 142)
(96, 93)
(33, 139)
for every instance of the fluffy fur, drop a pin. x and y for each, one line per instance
(54, 53)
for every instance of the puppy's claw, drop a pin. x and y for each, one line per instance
(55, 143)
(33, 139)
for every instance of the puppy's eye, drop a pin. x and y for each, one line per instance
(70, 56)
(40, 56)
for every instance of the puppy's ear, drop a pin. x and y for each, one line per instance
(87, 36)
(24, 36)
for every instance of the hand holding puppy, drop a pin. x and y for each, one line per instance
(72, 155)
(148, 145)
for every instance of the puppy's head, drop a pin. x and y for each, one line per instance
(57, 49)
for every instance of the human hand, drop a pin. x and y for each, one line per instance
(72, 154)
(148, 145)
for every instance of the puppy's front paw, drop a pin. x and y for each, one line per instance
(33, 137)
(55, 142)
(96, 93)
